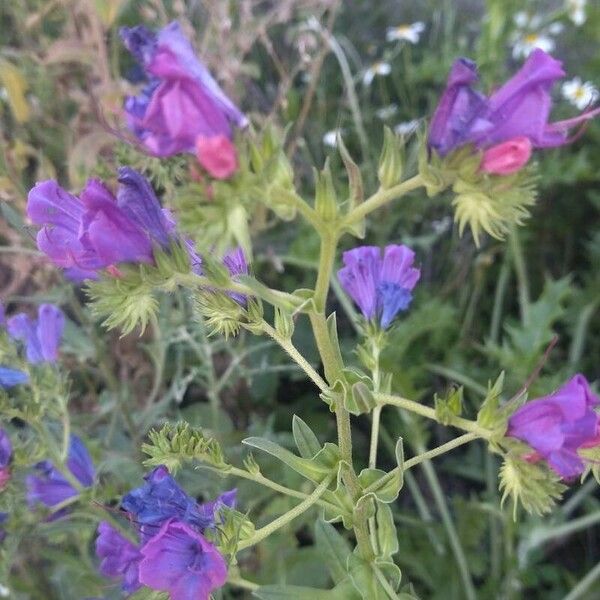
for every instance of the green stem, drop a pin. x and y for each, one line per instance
(429, 413)
(242, 583)
(521, 271)
(261, 480)
(374, 436)
(289, 516)
(584, 585)
(385, 584)
(455, 443)
(381, 198)
(287, 345)
(329, 242)
(453, 538)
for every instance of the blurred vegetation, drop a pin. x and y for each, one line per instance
(477, 312)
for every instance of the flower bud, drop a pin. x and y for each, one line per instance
(217, 155)
(508, 157)
(391, 161)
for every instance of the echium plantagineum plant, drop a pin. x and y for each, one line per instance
(128, 249)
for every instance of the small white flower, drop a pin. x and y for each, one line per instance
(330, 138)
(4, 591)
(407, 127)
(406, 33)
(580, 94)
(525, 45)
(525, 20)
(387, 112)
(379, 68)
(576, 11)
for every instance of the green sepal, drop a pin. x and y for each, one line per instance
(326, 202)
(449, 406)
(391, 160)
(324, 463)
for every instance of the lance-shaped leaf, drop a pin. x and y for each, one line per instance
(306, 441)
(366, 577)
(387, 536)
(343, 591)
(316, 469)
(334, 549)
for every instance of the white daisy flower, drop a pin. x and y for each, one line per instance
(387, 112)
(330, 138)
(576, 11)
(379, 68)
(406, 33)
(407, 127)
(526, 44)
(580, 94)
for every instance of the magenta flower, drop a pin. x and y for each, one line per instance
(556, 426)
(519, 108)
(97, 230)
(120, 558)
(380, 285)
(41, 336)
(50, 487)
(5, 456)
(180, 561)
(182, 101)
(217, 155)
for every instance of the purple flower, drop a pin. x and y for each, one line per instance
(556, 426)
(11, 377)
(210, 510)
(50, 487)
(182, 562)
(520, 108)
(120, 558)
(161, 498)
(3, 519)
(182, 101)
(236, 264)
(2, 314)
(380, 285)
(41, 336)
(98, 230)
(5, 456)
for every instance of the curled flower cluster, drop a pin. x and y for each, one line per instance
(558, 425)
(509, 123)
(173, 554)
(182, 108)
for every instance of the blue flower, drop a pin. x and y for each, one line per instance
(11, 377)
(380, 285)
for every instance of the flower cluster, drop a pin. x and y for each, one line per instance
(50, 487)
(558, 425)
(182, 108)
(173, 554)
(509, 123)
(98, 230)
(381, 285)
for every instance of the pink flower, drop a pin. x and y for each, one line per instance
(217, 155)
(507, 157)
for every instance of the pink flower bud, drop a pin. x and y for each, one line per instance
(217, 155)
(4, 477)
(507, 157)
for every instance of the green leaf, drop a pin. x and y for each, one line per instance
(334, 548)
(387, 536)
(333, 336)
(384, 486)
(343, 591)
(365, 579)
(306, 441)
(148, 594)
(316, 469)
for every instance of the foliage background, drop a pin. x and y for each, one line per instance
(477, 311)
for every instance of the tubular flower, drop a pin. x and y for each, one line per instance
(97, 230)
(50, 486)
(5, 456)
(519, 108)
(41, 336)
(181, 101)
(182, 562)
(380, 285)
(11, 377)
(558, 425)
(120, 558)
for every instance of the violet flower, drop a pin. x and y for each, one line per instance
(50, 487)
(236, 264)
(41, 336)
(11, 377)
(182, 101)
(5, 457)
(3, 519)
(120, 558)
(180, 561)
(556, 426)
(380, 285)
(97, 230)
(519, 108)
